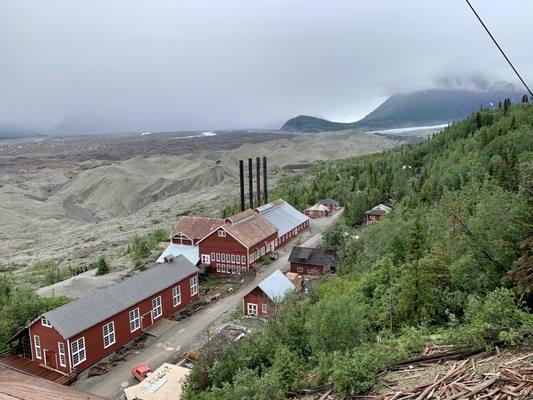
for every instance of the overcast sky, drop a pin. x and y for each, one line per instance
(212, 64)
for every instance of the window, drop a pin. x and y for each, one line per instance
(221, 233)
(78, 351)
(218, 257)
(213, 256)
(45, 322)
(194, 285)
(176, 296)
(109, 334)
(37, 345)
(239, 269)
(135, 320)
(299, 269)
(61, 352)
(264, 308)
(157, 308)
(222, 257)
(233, 269)
(206, 259)
(252, 309)
(218, 267)
(233, 258)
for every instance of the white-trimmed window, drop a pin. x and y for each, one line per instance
(223, 257)
(37, 346)
(221, 233)
(233, 258)
(223, 268)
(233, 269)
(299, 269)
(176, 296)
(238, 269)
(78, 351)
(264, 308)
(108, 331)
(218, 267)
(194, 285)
(61, 352)
(252, 309)
(135, 320)
(206, 259)
(213, 256)
(218, 257)
(157, 308)
(45, 322)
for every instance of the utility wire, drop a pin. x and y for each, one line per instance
(499, 48)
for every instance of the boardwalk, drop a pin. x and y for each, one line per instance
(24, 365)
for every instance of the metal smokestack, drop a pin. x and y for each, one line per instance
(250, 183)
(241, 177)
(265, 186)
(258, 174)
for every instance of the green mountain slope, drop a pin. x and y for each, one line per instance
(446, 266)
(428, 107)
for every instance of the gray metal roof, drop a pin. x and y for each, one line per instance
(282, 215)
(276, 285)
(81, 314)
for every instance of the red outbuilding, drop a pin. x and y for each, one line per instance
(190, 230)
(317, 211)
(309, 261)
(80, 333)
(261, 301)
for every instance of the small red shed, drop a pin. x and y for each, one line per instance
(261, 301)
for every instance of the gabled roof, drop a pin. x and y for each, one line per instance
(282, 215)
(191, 252)
(329, 202)
(276, 285)
(79, 315)
(196, 228)
(250, 230)
(311, 256)
(317, 207)
(380, 209)
(240, 217)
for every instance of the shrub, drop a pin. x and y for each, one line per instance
(102, 267)
(499, 317)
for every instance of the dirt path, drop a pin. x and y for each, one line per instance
(181, 335)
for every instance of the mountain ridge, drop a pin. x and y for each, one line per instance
(422, 108)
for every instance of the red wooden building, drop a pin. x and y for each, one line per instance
(332, 205)
(75, 336)
(376, 213)
(310, 261)
(289, 221)
(317, 211)
(261, 301)
(190, 230)
(238, 243)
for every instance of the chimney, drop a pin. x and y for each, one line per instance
(250, 183)
(265, 186)
(258, 173)
(241, 177)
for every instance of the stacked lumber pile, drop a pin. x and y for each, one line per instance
(512, 380)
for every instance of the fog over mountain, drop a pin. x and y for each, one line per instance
(107, 66)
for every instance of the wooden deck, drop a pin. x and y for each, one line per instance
(24, 365)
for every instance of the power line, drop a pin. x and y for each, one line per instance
(499, 48)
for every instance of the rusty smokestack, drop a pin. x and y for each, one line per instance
(250, 183)
(241, 177)
(265, 186)
(258, 174)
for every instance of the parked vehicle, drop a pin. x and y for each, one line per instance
(140, 372)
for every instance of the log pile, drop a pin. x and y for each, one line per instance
(513, 380)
